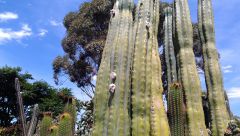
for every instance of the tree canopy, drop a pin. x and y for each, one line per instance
(37, 92)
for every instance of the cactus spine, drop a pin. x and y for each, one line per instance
(53, 130)
(65, 125)
(219, 113)
(148, 114)
(45, 124)
(187, 71)
(176, 110)
(111, 108)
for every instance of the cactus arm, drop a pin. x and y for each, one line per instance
(187, 69)
(218, 109)
(168, 47)
(111, 110)
(148, 114)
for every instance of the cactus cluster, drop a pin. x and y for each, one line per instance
(128, 98)
(64, 126)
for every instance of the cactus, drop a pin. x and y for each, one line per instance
(218, 109)
(53, 130)
(169, 48)
(65, 125)
(148, 114)
(45, 124)
(111, 107)
(176, 111)
(20, 107)
(230, 114)
(34, 120)
(187, 71)
(70, 108)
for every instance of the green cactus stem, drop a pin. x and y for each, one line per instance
(148, 113)
(65, 125)
(53, 130)
(169, 53)
(70, 108)
(111, 105)
(45, 124)
(213, 75)
(187, 71)
(176, 111)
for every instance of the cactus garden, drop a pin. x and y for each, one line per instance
(139, 65)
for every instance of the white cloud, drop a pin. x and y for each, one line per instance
(42, 32)
(5, 16)
(227, 69)
(55, 23)
(234, 92)
(7, 34)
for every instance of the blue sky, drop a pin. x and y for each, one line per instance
(31, 33)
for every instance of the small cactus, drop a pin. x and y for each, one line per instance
(70, 108)
(53, 130)
(176, 111)
(45, 124)
(65, 125)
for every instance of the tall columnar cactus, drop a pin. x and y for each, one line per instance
(169, 48)
(65, 125)
(54, 130)
(148, 113)
(187, 71)
(112, 95)
(228, 105)
(176, 111)
(70, 108)
(34, 120)
(45, 124)
(219, 113)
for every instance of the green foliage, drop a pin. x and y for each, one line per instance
(83, 43)
(8, 110)
(86, 121)
(45, 125)
(37, 92)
